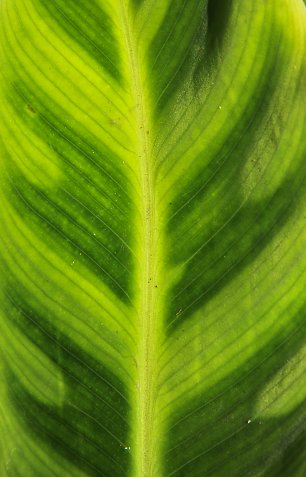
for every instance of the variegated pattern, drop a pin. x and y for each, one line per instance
(153, 243)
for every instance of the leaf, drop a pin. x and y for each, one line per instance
(153, 246)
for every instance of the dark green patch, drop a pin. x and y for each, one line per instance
(67, 226)
(292, 461)
(219, 433)
(90, 427)
(218, 13)
(211, 41)
(69, 138)
(177, 46)
(137, 3)
(185, 46)
(90, 27)
(88, 216)
(222, 246)
(236, 244)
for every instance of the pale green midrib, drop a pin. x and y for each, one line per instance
(144, 435)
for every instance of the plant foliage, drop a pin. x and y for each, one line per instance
(153, 244)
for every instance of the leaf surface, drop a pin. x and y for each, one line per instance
(153, 245)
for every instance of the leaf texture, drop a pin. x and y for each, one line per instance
(153, 244)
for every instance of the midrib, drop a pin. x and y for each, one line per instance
(145, 440)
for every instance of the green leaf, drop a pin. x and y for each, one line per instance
(153, 244)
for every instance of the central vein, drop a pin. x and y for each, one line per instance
(145, 442)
